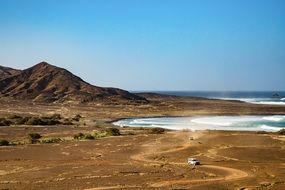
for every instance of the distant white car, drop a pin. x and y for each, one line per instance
(193, 161)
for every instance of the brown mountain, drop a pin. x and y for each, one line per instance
(7, 72)
(48, 83)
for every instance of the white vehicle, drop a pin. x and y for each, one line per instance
(193, 161)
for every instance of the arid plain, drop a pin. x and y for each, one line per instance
(139, 158)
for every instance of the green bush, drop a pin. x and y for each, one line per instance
(78, 136)
(18, 120)
(81, 136)
(107, 132)
(21, 120)
(156, 130)
(67, 122)
(89, 137)
(52, 140)
(4, 142)
(100, 134)
(5, 122)
(49, 121)
(77, 117)
(281, 132)
(42, 121)
(113, 132)
(34, 121)
(34, 137)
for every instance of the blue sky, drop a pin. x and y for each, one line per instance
(151, 44)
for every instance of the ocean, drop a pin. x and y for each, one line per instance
(237, 123)
(240, 123)
(266, 97)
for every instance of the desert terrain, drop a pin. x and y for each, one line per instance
(139, 158)
(56, 132)
(142, 95)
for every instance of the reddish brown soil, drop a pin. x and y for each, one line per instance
(230, 160)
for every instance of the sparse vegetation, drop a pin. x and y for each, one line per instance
(100, 134)
(43, 121)
(156, 130)
(97, 134)
(281, 132)
(81, 136)
(107, 132)
(67, 122)
(89, 137)
(4, 142)
(77, 117)
(19, 120)
(78, 136)
(261, 132)
(4, 122)
(52, 140)
(34, 121)
(113, 132)
(34, 137)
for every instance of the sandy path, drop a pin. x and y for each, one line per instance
(114, 187)
(155, 148)
(233, 174)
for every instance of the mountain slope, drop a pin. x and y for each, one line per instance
(7, 72)
(48, 83)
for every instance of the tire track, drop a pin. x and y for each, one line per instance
(233, 174)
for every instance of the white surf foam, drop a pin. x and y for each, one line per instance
(265, 101)
(225, 120)
(269, 103)
(239, 123)
(212, 121)
(242, 99)
(275, 118)
(270, 128)
(157, 121)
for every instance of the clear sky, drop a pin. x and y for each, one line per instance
(151, 44)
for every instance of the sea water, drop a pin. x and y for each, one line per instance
(266, 97)
(238, 123)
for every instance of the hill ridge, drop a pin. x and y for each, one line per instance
(48, 83)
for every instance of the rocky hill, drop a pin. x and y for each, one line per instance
(48, 83)
(7, 72)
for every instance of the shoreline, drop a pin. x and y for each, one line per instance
(148, 161)
(231, 123)
(177, 116)
(139, 159)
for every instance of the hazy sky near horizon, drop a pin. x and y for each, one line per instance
(151, 44)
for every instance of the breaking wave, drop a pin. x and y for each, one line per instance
(238, 123)
(265, 101)
(270, 128)
(274, 118)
